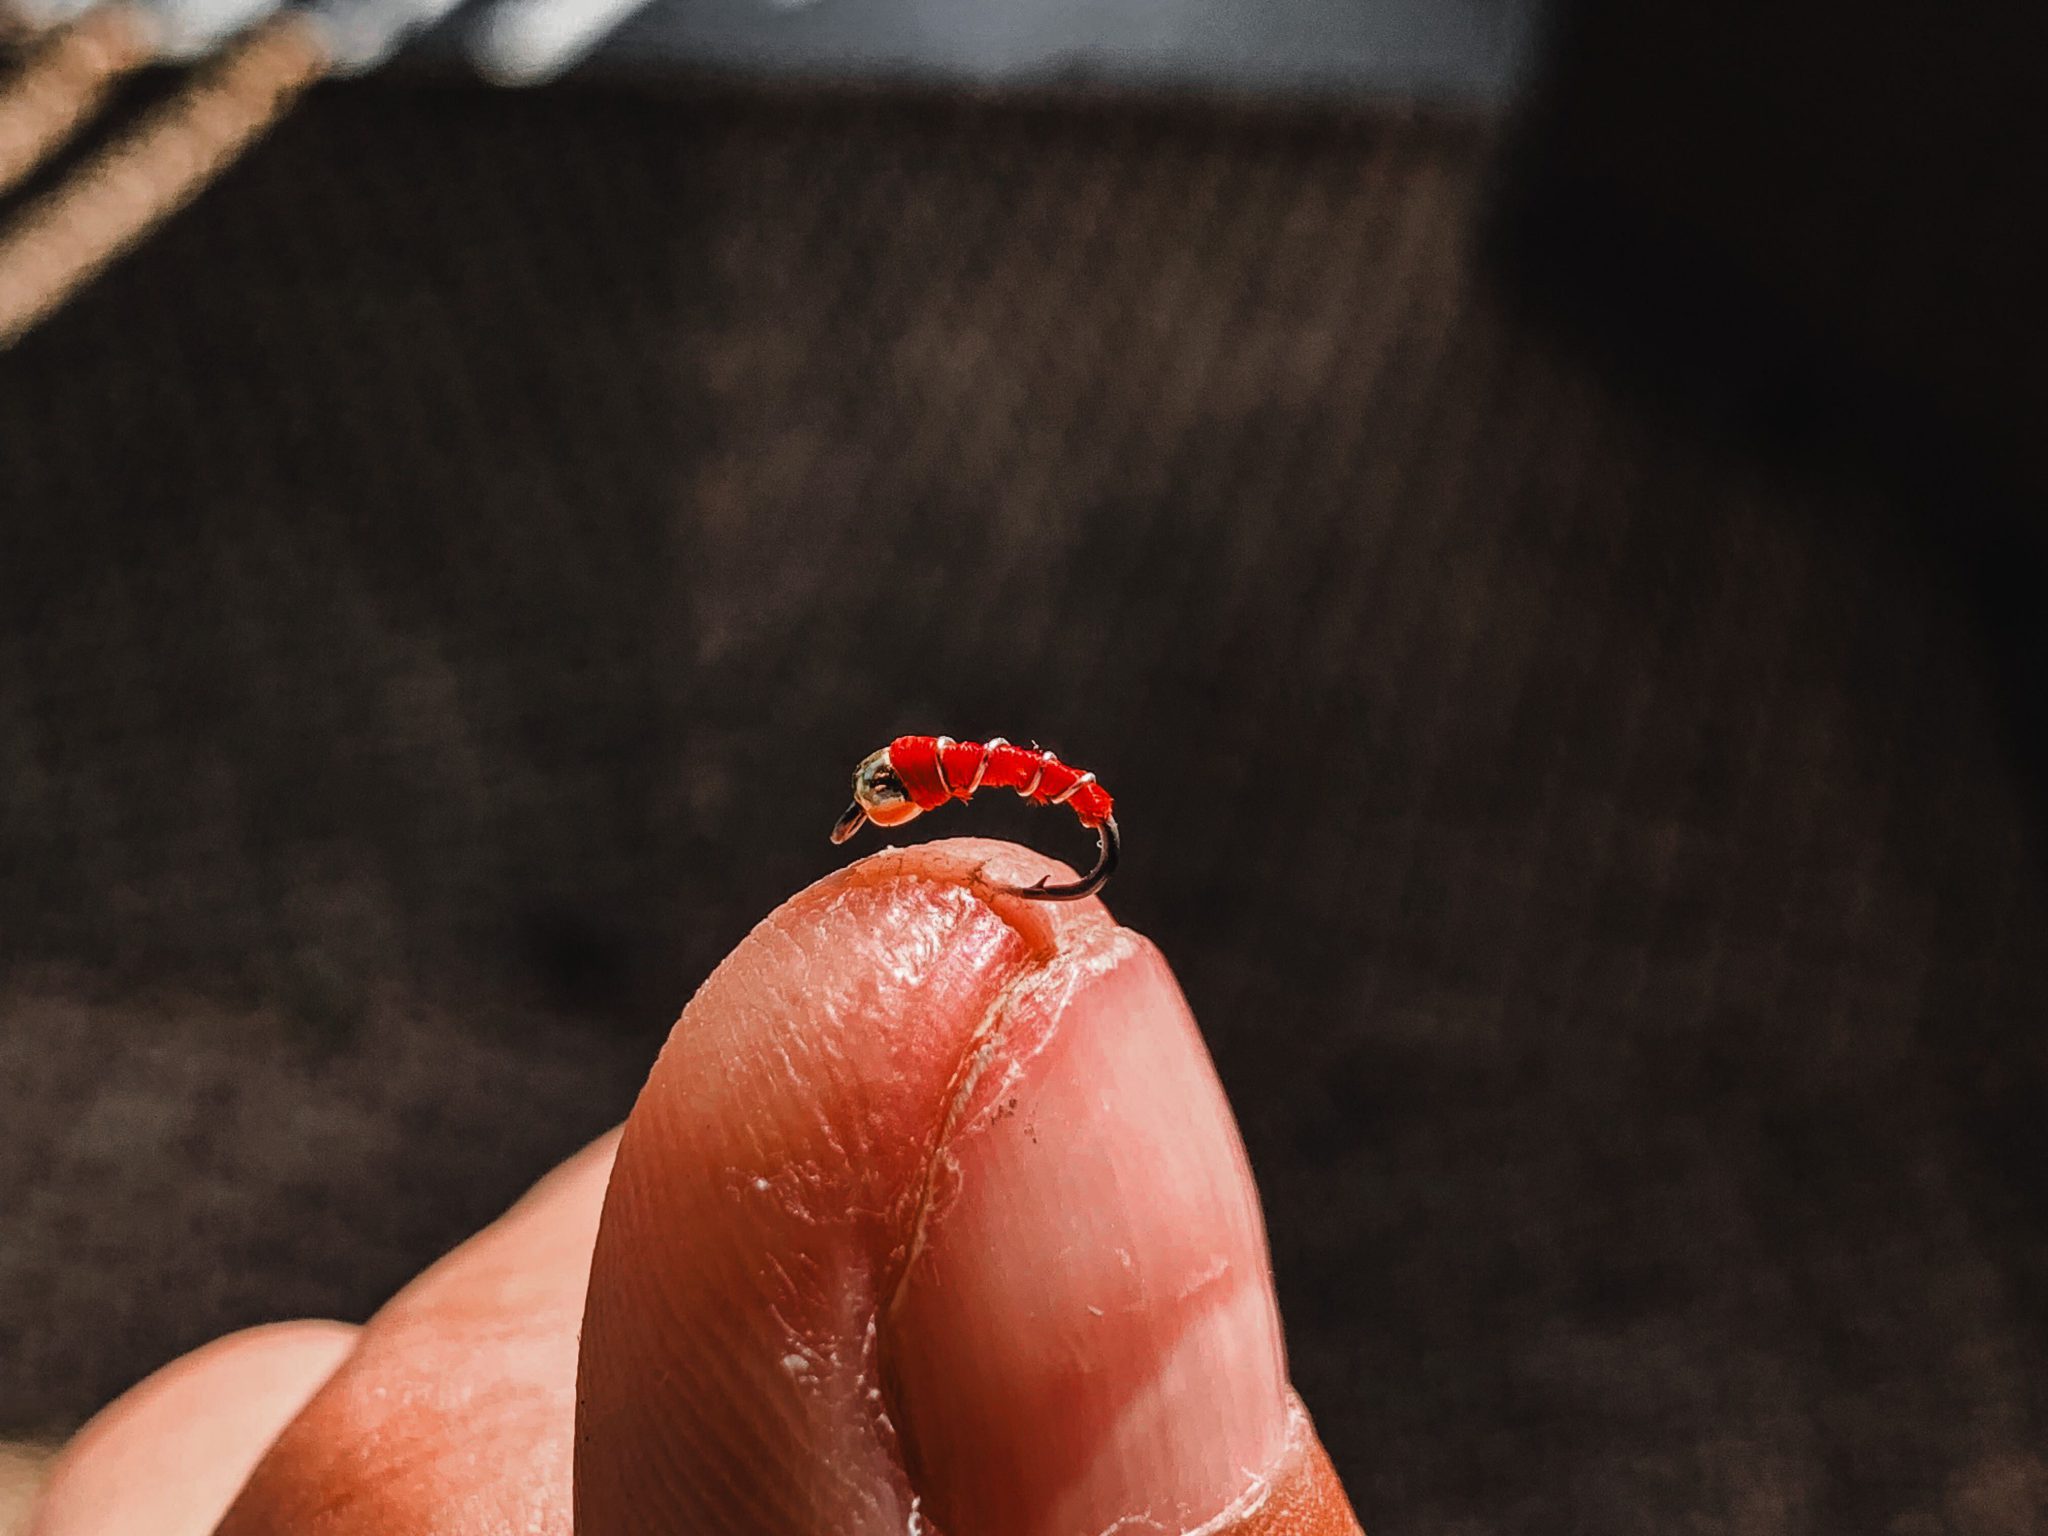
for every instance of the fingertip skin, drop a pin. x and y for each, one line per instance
(932, 1216)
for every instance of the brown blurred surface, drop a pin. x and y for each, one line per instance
(22, 1469)
(1866, 176)
(446, 578)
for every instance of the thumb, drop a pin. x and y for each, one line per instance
(932, 1217)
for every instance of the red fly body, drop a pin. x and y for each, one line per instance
(915, 774)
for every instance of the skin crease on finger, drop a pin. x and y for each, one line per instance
(932, 1216)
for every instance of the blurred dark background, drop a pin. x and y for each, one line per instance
(1550, 567)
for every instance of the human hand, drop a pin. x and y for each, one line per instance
(930, 1217)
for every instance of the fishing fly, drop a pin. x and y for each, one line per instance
(915, 774)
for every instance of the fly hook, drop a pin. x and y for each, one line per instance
(915, 774)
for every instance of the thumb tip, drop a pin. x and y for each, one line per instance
(933, 1210)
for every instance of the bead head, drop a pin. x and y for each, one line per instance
(879, 792)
